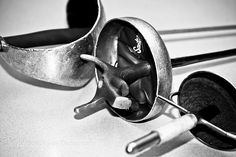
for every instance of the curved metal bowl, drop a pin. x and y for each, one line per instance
(155, 53)
(58, 65)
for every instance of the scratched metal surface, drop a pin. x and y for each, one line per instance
(36, 119)
(60, 64)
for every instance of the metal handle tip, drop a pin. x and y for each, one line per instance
(130, 148)
(143, 143)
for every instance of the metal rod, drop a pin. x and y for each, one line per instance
(200, 119)
(173, 104)
(183, 61)
(163, 134)
(143, 142)
(195, 30)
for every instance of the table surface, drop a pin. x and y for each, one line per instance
(38, 121)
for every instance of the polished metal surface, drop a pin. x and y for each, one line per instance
(59, 65)
(107, 51)
(197, 30)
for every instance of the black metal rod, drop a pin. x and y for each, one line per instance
(183, 61)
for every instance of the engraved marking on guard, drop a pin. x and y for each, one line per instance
(116, 64)
(137, 48)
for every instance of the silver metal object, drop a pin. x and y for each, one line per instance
(162, 134)
(144, 42)
(59, 65)
(197, 30)
(107, 50)
(135, 40)
(190, 121)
